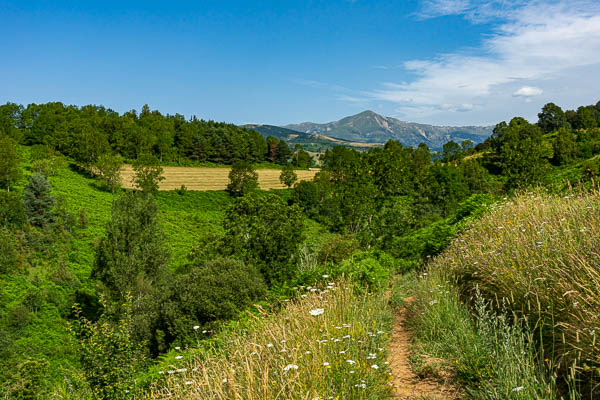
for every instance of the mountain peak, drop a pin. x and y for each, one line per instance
(367, 113)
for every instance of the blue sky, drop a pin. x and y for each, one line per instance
(446, 62)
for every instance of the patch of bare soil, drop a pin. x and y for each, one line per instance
(407, 385)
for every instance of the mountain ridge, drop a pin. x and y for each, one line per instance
(370, 127)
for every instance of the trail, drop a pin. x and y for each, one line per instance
(407, 385)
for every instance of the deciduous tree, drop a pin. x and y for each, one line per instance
(243, 179)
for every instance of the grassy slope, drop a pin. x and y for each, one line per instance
(46, 336)
(292, 354)
(533, 259)
(184, 219)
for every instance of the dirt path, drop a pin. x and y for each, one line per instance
(407, 385)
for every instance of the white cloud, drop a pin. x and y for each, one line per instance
(549, 48)
(528, 91)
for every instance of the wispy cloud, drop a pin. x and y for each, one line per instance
(540, 47)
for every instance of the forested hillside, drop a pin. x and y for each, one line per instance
(110, 293)
(88, 132)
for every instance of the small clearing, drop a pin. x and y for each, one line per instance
(407, 385)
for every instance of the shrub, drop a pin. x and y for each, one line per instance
(10, 171)
(8, 251)
(109, 355)
(211, 292)
(12, 212)
(337, 248)
(368, 269)
(45, 160)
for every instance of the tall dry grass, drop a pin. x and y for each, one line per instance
(538, 255)
(338, 354)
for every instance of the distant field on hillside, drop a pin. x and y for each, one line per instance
(198, 178)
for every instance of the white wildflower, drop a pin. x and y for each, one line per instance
(316, 311)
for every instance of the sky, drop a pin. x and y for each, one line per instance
(444, 62)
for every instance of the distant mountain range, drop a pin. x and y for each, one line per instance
(368, 129)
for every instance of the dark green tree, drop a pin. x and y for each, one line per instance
(523, 152)
(302, 159)
(243, 179)
(565, 147)
(148, 173)
(10, 170)
(38, 201)
(282, 153)
(133, 258)
(444, 188)
(10, 116)
(288, 177)
(211, 291)
(451, 151)
(133, 254)
(265, 232)
(585, 118)
(552, 118)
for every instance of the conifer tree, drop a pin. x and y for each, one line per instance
(38, 202)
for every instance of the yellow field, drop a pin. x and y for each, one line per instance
(197, 178)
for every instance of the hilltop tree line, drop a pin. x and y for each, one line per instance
(87, 133)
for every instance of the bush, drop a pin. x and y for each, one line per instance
(12, 212)
(8, 251)
(211, 292)
(337, 248)
(368, 269)
(109, 356)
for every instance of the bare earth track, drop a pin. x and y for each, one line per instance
(200, 178)
(407, 385)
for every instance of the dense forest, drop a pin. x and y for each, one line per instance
(88, 132)
(99, 286)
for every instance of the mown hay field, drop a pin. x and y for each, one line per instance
(199, 178)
